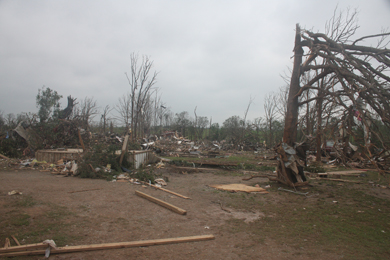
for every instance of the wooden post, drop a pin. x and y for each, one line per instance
(124, 149)
(81, 140)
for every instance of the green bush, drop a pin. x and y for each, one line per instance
(101, 155)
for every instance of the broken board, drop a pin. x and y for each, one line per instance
(238, 187)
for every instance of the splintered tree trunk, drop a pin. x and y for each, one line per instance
(287, 175)
(290, 127)
(319, 126)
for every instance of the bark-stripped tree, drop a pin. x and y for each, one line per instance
(141, 81)
(270, 109)
(86, 111)
(123, 107)
(357, 71)
(104, 118)
(281, 101)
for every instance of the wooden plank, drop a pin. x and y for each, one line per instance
(23, 248)
(341, 180)
(171, 192)
(16, 241)
(71, 249)
(7, 243)
(344, 172)
(4, 157)
(339, 174)
(238, 187)
(161, 203)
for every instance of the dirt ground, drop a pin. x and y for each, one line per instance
(91, 211)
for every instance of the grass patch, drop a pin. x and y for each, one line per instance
(227, 173)
(341, 219)
(242, 162)
(20, 220)
(50, 223)
(346, 219)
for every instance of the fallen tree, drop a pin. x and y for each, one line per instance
(357, 75)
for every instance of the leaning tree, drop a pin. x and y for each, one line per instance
(344, 71)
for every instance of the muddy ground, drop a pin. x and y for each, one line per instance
(75, 211)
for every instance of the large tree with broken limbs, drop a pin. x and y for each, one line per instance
(356, 72)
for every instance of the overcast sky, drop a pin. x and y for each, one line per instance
(211, 54)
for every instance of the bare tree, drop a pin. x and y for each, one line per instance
(10, 120)
(123, 107)
(104, 117)
(270, 101)
(200, 123)
(183, 121)
(141, 82)
(168, 118)
(281, 101)
(244, 128)
(2, 121)
(86, 111)
(257, 125)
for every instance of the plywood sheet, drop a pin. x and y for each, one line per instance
(238, 187)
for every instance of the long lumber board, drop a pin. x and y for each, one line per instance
(340, 180)
(161, 203)
(344, 172)
(71, 249)
(23, 248)
(4, 157)
(171, 192)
